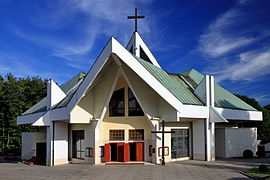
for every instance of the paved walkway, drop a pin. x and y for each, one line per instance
(190, 170)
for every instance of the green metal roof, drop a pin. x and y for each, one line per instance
(69, 88)
(38, 107)
(172, 82)
(223, 98)
(193, 76)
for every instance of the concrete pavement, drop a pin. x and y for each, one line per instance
(189, 170)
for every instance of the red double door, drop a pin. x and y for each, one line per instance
(124, 152)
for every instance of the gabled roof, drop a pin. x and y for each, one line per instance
(223, 98)
(179, 86)
(136, 46)
(68, 88)
(172, 82)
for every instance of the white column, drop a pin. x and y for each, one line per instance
(49, 145)
(212, 126)
(207, 120)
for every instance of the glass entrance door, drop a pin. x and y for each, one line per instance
(78, 144)
(180, 143)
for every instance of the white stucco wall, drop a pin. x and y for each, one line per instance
(235, 141)
(89, 141)
(92, 103)
(61, 143)
(220, 142)
(29, 140)
(198, 139)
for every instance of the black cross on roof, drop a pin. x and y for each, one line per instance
(136, 17)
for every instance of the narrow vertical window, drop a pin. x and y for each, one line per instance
(144, 56)
(117, 103)
(134, 108)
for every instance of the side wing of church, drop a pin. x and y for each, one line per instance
(107, 115)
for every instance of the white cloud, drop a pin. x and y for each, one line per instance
(96, 17)
(250, 66)
(23, 66)
(230, 31)
(233, 44)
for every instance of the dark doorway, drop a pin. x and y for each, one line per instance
(113, 152)
(78, 144)
(132, 151)
(120, 152)
(41, 153)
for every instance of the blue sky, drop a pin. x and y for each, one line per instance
(56, 39)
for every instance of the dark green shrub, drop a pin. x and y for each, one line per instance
(263, 168)
(247, 153)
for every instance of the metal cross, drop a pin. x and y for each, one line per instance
(163, 140)
(136, 17)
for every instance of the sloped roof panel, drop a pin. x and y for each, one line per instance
(38, 107)
(223, 98)
(69, 88)
(171, 82)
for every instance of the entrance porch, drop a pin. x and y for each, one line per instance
(124, 152)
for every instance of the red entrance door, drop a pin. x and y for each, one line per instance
(107, 153)
(120, 152)
(139, 152)
(123, 152)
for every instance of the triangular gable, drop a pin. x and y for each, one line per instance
(54, 94)
(201, 90)
(114, 48)
(223, 98)
(216, 116)
(137, 47)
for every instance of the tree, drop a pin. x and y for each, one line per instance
(264, 126)
(16, 96)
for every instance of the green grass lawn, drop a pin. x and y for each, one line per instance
(257, 174)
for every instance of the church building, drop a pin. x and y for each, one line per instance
(115, 114)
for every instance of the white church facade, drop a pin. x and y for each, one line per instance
(107, 115)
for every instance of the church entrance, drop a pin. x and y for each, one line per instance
(136, 152)
(117, 152)
(124, 152)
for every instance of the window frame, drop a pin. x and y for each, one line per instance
(112, 110)
(116, 139)
(138, 106)
(135, 139)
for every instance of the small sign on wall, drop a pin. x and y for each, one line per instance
(101, 151)
(166, 151)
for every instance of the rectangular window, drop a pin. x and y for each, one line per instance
(117, 135)
(180, 143)
(136, 134)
